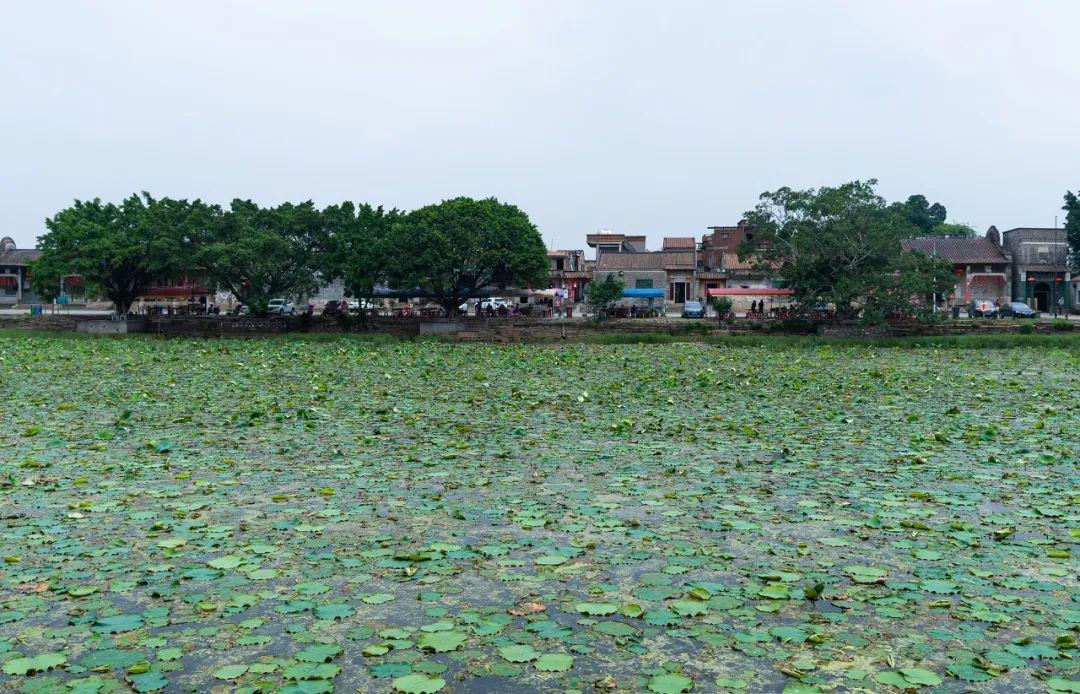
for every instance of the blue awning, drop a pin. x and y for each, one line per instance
(643, 293)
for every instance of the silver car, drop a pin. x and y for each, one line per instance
(281, 307)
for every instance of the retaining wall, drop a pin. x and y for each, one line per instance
(487, 329)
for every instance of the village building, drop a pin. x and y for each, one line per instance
(15, 286)
(721, 240)
(982, 268)
(1040, 273)
(569, 271)
(670, 271)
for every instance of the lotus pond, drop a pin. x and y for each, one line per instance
(315, 516)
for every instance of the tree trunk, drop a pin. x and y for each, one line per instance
(121, 301)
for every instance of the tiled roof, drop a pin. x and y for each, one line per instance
(673, 243)
(956, 249)
(731, 261)
(650, 260)
(20, 256)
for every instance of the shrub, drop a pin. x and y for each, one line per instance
(1062, 325)
(1027, 327)
(721, 304)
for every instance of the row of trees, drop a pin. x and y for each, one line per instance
(450, 251)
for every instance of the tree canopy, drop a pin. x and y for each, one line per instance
(918, 211)
(841, 246)
(353, 245)
(458, 248)
(119, 250)
(1072, 229)
(261, 253)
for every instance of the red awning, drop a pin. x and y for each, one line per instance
(739, 291)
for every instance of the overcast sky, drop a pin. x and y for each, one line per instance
(657, 118)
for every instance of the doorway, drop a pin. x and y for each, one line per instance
(1041, 292)
(678, 292)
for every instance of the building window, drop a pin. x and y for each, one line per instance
(559, 263)
(642, 284)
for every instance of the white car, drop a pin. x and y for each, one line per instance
(493, 303)
(281, 307)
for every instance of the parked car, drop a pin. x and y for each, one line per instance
(1017, 309)
(353, 305)
(491, 303)
(336, 307)
(984, 309)
(693, 309)
(281, 307)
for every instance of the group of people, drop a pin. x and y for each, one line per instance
(757, 309)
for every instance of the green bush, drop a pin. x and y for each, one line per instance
(1062, 325)
(721, 304)
(1027, 327)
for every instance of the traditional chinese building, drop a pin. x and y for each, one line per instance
(15, 287)
(982, 268)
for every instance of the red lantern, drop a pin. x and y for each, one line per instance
(1031, 280)
(1059, 280)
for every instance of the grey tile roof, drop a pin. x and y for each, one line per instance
(20, 256)
(649, 260)
(957, 250)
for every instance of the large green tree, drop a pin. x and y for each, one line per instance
(120, 250)
(353, 245)
(1072, 229)
(459, 248)
(921, 214)
(841, 246)
(261, 253)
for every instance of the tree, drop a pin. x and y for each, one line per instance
(457, 249)
(353, 246)
(921, 214)
(952, 229)
(262, 253)
(602, 295)
(838, 246)
(1072, 229)
(722, 305)
(120, 250)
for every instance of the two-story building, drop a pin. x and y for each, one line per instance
(1040, 266)
(568, 270)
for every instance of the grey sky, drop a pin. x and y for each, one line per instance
(659, 118)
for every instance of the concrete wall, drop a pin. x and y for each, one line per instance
(111, 327)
